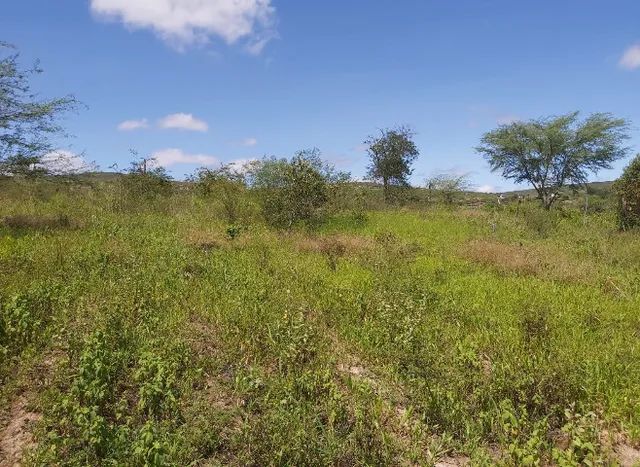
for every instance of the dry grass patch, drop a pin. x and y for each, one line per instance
(528, 260)
(209, 240)
(334, 247)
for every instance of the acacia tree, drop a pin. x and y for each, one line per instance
(553, 152)
(391, 154)
(27, 123)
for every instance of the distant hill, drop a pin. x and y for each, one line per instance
(601, 188)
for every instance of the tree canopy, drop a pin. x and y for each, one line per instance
(553, 152)
(391, 154)
(27, 123)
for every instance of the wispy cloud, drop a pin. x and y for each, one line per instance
(630, 60)
(172, 156)
(249, 142)
(256, 46)
(183, 23)
(183, 121)
(130, 125)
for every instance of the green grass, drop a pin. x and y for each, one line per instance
(150, 338)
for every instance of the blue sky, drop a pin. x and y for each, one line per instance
(204, 81)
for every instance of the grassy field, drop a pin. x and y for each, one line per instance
(408, 336)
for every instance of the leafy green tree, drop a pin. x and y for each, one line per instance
(295, 190)
(553, 152)
(27, 124)
(391, 154)
(627, 187)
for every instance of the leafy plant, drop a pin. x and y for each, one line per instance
(157, 393)
(583, 446)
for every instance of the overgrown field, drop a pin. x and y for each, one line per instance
(160, 336)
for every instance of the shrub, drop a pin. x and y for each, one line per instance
(226, 185)
(145, 184)
(627, 187)
(296, 190)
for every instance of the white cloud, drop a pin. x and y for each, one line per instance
(630, 60)
(64, 162)
(249, 142)
(171, 156)
(129, 125)
(182, 121)
(486, 189)
(240, 165)
(181, 23)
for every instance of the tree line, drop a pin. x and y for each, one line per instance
(548, 154)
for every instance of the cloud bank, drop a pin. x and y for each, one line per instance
(182, 23)
(172, 156)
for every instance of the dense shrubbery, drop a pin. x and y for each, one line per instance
(228, 186)
(144, 185)
(627, 187)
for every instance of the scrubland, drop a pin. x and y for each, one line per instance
(156, 334)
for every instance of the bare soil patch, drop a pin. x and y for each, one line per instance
(17, 438)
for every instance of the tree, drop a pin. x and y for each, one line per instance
(449, 185)
(627, 187)
(27, 123)
(553, 152)
(295, 190)
(391, 154)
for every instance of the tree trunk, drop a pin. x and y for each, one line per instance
(385, 188)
